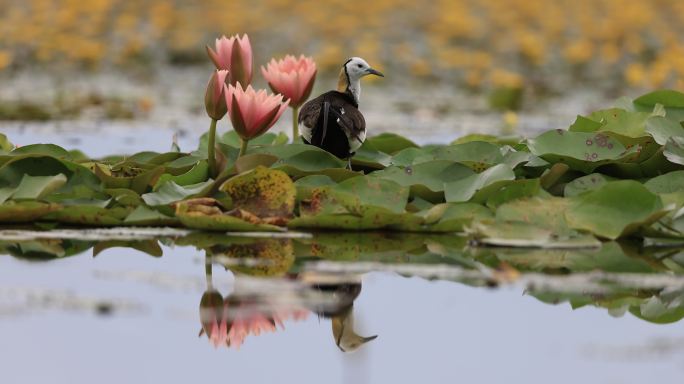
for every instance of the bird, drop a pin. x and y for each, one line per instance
(332, 121)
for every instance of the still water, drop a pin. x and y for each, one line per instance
(146, 311)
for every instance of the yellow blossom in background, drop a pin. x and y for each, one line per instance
(5, 59)
(506, 79)
(466, 41)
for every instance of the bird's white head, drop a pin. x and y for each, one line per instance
(350, 76)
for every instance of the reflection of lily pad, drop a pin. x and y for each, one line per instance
(264, 257)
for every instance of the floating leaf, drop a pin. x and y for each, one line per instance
(464, 189)
(251, 161)
(548, 213)
(262, 191)
(171, 192)
(37, 187)
(667, 183)
(456, 216)
(90, 215)
(390, 143)
(140, 182)
(518, 234)
(477, 155)
(223, 222)
(674, 150)
(425, 179)
(198, 173)
(25, 211)
(373, 192)
(367, 156)
(662, 129)
(146, 216)
(614, 210)
(671, 100)
(580, 150)
(307, 184)
(585, 183)
(516, 189)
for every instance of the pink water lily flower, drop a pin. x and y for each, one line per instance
(214, 98)
(235, 55)
(252, 112)
(292, 77)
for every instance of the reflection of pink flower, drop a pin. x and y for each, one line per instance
(292, 77)
(241, 319)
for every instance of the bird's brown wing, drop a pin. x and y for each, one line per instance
(310, 112)
(350, 119)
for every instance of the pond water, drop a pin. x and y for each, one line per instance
(122, 310)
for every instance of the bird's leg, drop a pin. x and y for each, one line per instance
(349, 166)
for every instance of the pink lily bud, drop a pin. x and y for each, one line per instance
(292, 77)
(252, 112)
(214, 98)
(235, 55)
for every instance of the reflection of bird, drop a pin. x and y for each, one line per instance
(332, 121)
(342, 314)
(343, 330)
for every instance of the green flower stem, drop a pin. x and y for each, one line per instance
(295, 124)
(211, 157)
(243, 147)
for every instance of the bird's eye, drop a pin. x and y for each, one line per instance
(359, 65)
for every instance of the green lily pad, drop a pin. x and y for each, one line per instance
(671, 100)
(615, 210)
(89, 215)
(668, 183)
(143, 180)
(464, 189)
(516, 189)
(25, 211)
(425, 179)
(170, 192)
(478, 155)
(674, 150)
(519, 234)
(455, 217)
(144, 216)
(373, 192)
(548, 213)
(198, 173)
(662, 129)
(585, 183)
(581, 151)
(222, 223)
(262, 191)
(390, 143)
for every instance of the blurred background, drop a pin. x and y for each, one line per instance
(453, 66)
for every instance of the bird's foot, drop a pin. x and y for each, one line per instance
(349, 166)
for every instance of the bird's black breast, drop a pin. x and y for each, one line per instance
(344, 122)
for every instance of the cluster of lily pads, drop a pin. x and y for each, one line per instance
(615, 173)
